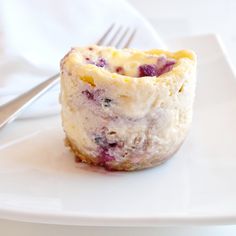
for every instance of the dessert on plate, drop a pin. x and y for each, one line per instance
(126, 109)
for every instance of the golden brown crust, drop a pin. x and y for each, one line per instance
(123, 166)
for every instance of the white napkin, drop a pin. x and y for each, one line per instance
(34, 36)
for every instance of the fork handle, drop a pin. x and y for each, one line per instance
(10, 110)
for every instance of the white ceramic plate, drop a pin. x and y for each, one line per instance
(40, 182)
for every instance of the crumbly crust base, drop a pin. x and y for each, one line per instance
(117, 166)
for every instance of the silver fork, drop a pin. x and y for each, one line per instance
(118, 37)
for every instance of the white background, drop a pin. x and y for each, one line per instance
(188, 17)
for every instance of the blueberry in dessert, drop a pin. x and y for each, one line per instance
(126, 109)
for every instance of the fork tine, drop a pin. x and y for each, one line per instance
(122, 38)
(130, 39)
(114, 36)
(102, 39)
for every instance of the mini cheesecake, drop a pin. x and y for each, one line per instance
(126, 109)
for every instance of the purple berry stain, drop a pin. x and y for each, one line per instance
(101, 62)
(93, 95)
(166, 68)
(147, 70)
(162, 66)
(89, 95)
(104, 156)
(104, 145)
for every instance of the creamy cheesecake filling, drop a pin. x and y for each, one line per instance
(133, 65)
(122, 109)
